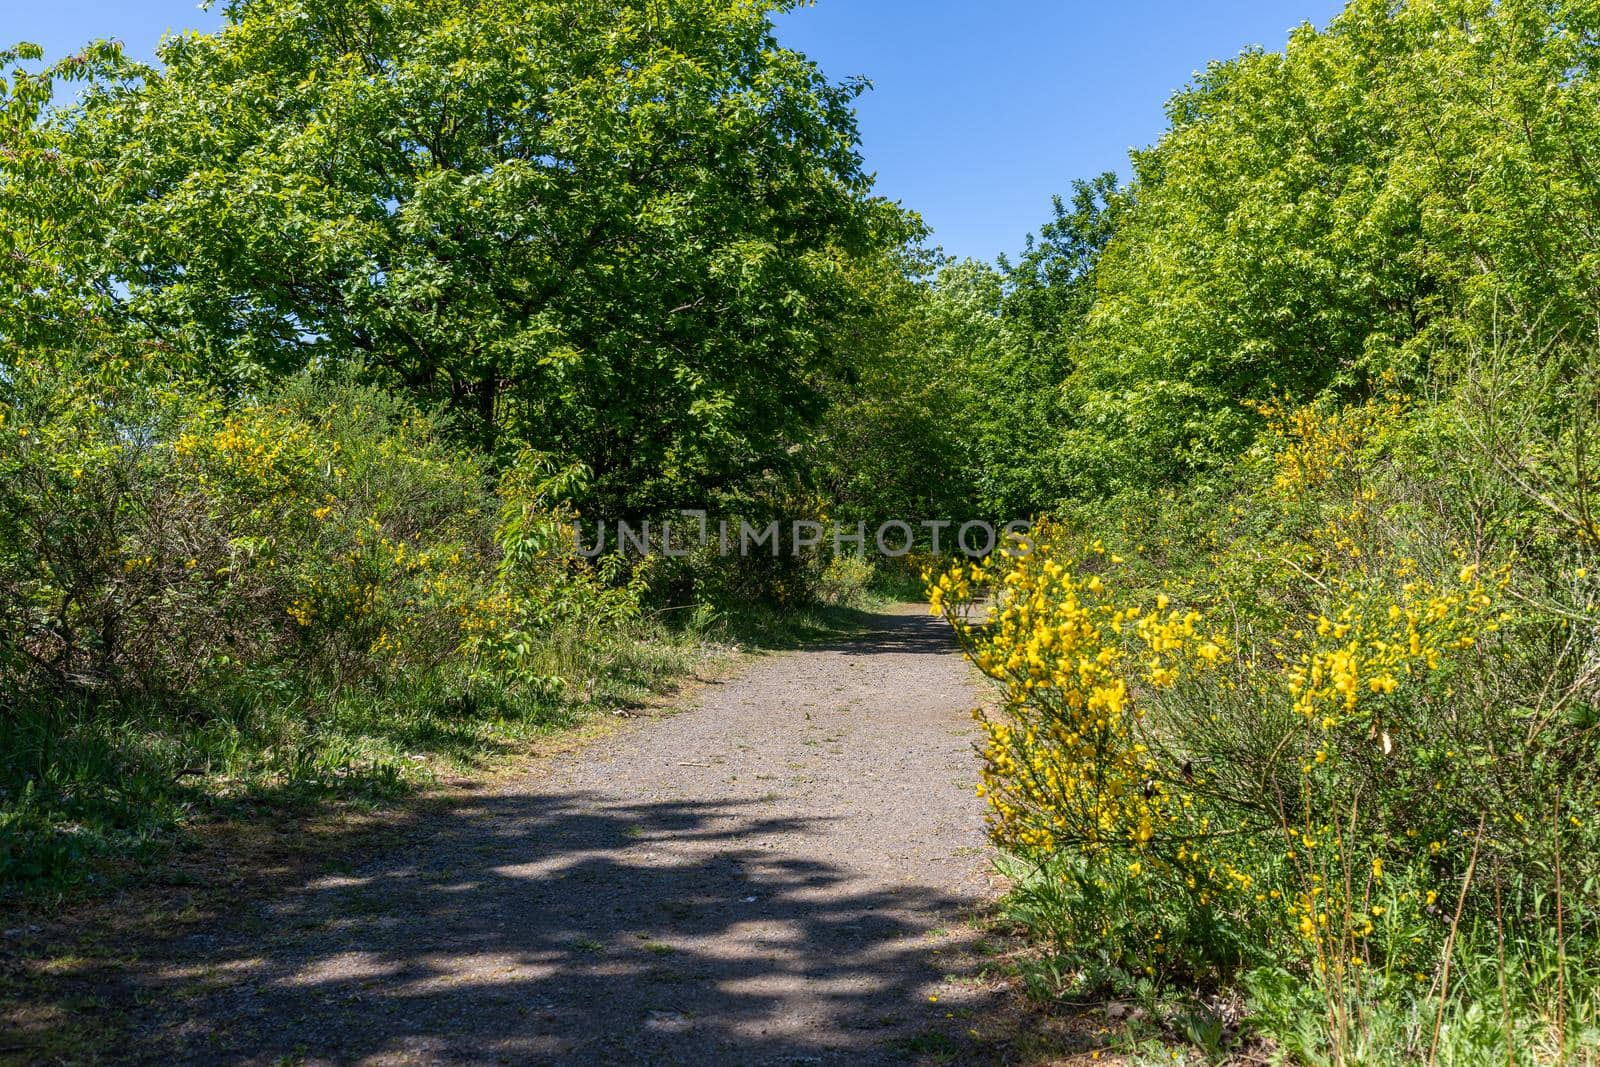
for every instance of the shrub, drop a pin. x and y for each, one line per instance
(845, 581)
(1336, 722)
(296, 589)
(110, 561)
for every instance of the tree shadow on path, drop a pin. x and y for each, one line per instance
(550, 924)
(878, 635)
(559, 935)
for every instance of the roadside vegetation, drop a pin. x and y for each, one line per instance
(317, 337)
(1299, 713)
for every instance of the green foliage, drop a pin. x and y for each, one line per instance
(1374, 705)
(617, 234)
(48, 293)
(1025, 412)
(962, 413)
(298, 589)
(891, 445)
(1312, 218)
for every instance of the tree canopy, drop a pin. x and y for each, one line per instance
(619, 233)
(1351, 205)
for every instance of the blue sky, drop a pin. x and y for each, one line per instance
(979, 112)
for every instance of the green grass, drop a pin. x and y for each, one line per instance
(768, 628)
(897, 584)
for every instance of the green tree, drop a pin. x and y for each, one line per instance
(1266, 253)
(1346, 207)
(895, 442)
(617, 232)
(50, 202)
(1048, 292)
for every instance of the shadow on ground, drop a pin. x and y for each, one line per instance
(877, 635)
(535, 925)
(500, 935)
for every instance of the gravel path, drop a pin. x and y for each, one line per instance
(778, 871)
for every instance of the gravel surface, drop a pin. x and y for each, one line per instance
(777, 871)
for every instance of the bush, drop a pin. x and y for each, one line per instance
(1335, 722)
(845, 581)
(288, 592)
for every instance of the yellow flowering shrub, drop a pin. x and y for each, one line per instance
(165, 541)
(1065, 763)
(263, 456)
(1313, 447)
(1258, 732)
(1376, 638)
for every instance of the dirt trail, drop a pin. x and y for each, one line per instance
(778, 872)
